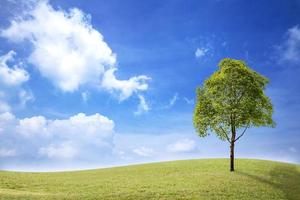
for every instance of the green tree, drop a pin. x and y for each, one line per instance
(231, 100)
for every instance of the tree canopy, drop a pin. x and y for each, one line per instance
(232, 99)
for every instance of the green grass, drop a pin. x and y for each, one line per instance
(189, 179)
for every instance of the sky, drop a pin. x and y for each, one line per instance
(99, 83)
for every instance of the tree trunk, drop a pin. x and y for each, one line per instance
(233, 133)
(232, 156)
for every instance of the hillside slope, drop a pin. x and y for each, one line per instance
(189, 179)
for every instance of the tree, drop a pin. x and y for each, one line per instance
(232, 100)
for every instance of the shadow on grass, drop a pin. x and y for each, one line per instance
(285, 178)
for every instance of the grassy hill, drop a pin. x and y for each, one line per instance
(189, 179)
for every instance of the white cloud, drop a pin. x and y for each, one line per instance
(200, 52)
(25, 96)
(182, 146)
(188, 101)
(80, 124)
(125, 87)
(7, 152)
(172, 101)
(77, 137)
(69, 51)
(289, 50)
(4, 107)
(85, 96)
(62, 151)
(6, 117)
(14, 76)
(142, 107)
(37, 125)
(143, 151)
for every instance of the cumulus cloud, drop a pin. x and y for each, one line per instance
(81, 124)
(63, 151)
(143, 151)
(77, 125)
(201, 52)
(14, 76)
(6, 117)
(33, 126)
(69, 51)
(142, 107)
(182, 146)
(78, 137)
(289, 50)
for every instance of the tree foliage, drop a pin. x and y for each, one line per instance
(232, 98)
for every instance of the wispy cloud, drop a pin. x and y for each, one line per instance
(25, 97)
(201, 52)
(143, 106)
(182, 146)
(85, 96)
(188, 101)
(289, 49)
(125, 87)
(144, 151)
(7, 152)
(172, 101)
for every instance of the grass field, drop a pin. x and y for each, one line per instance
(189, 179)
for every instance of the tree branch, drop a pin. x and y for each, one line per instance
(225, 134)
(242, 133)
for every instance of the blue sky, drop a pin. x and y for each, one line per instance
(87, 84)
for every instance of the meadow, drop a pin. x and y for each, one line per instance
(187, 179)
